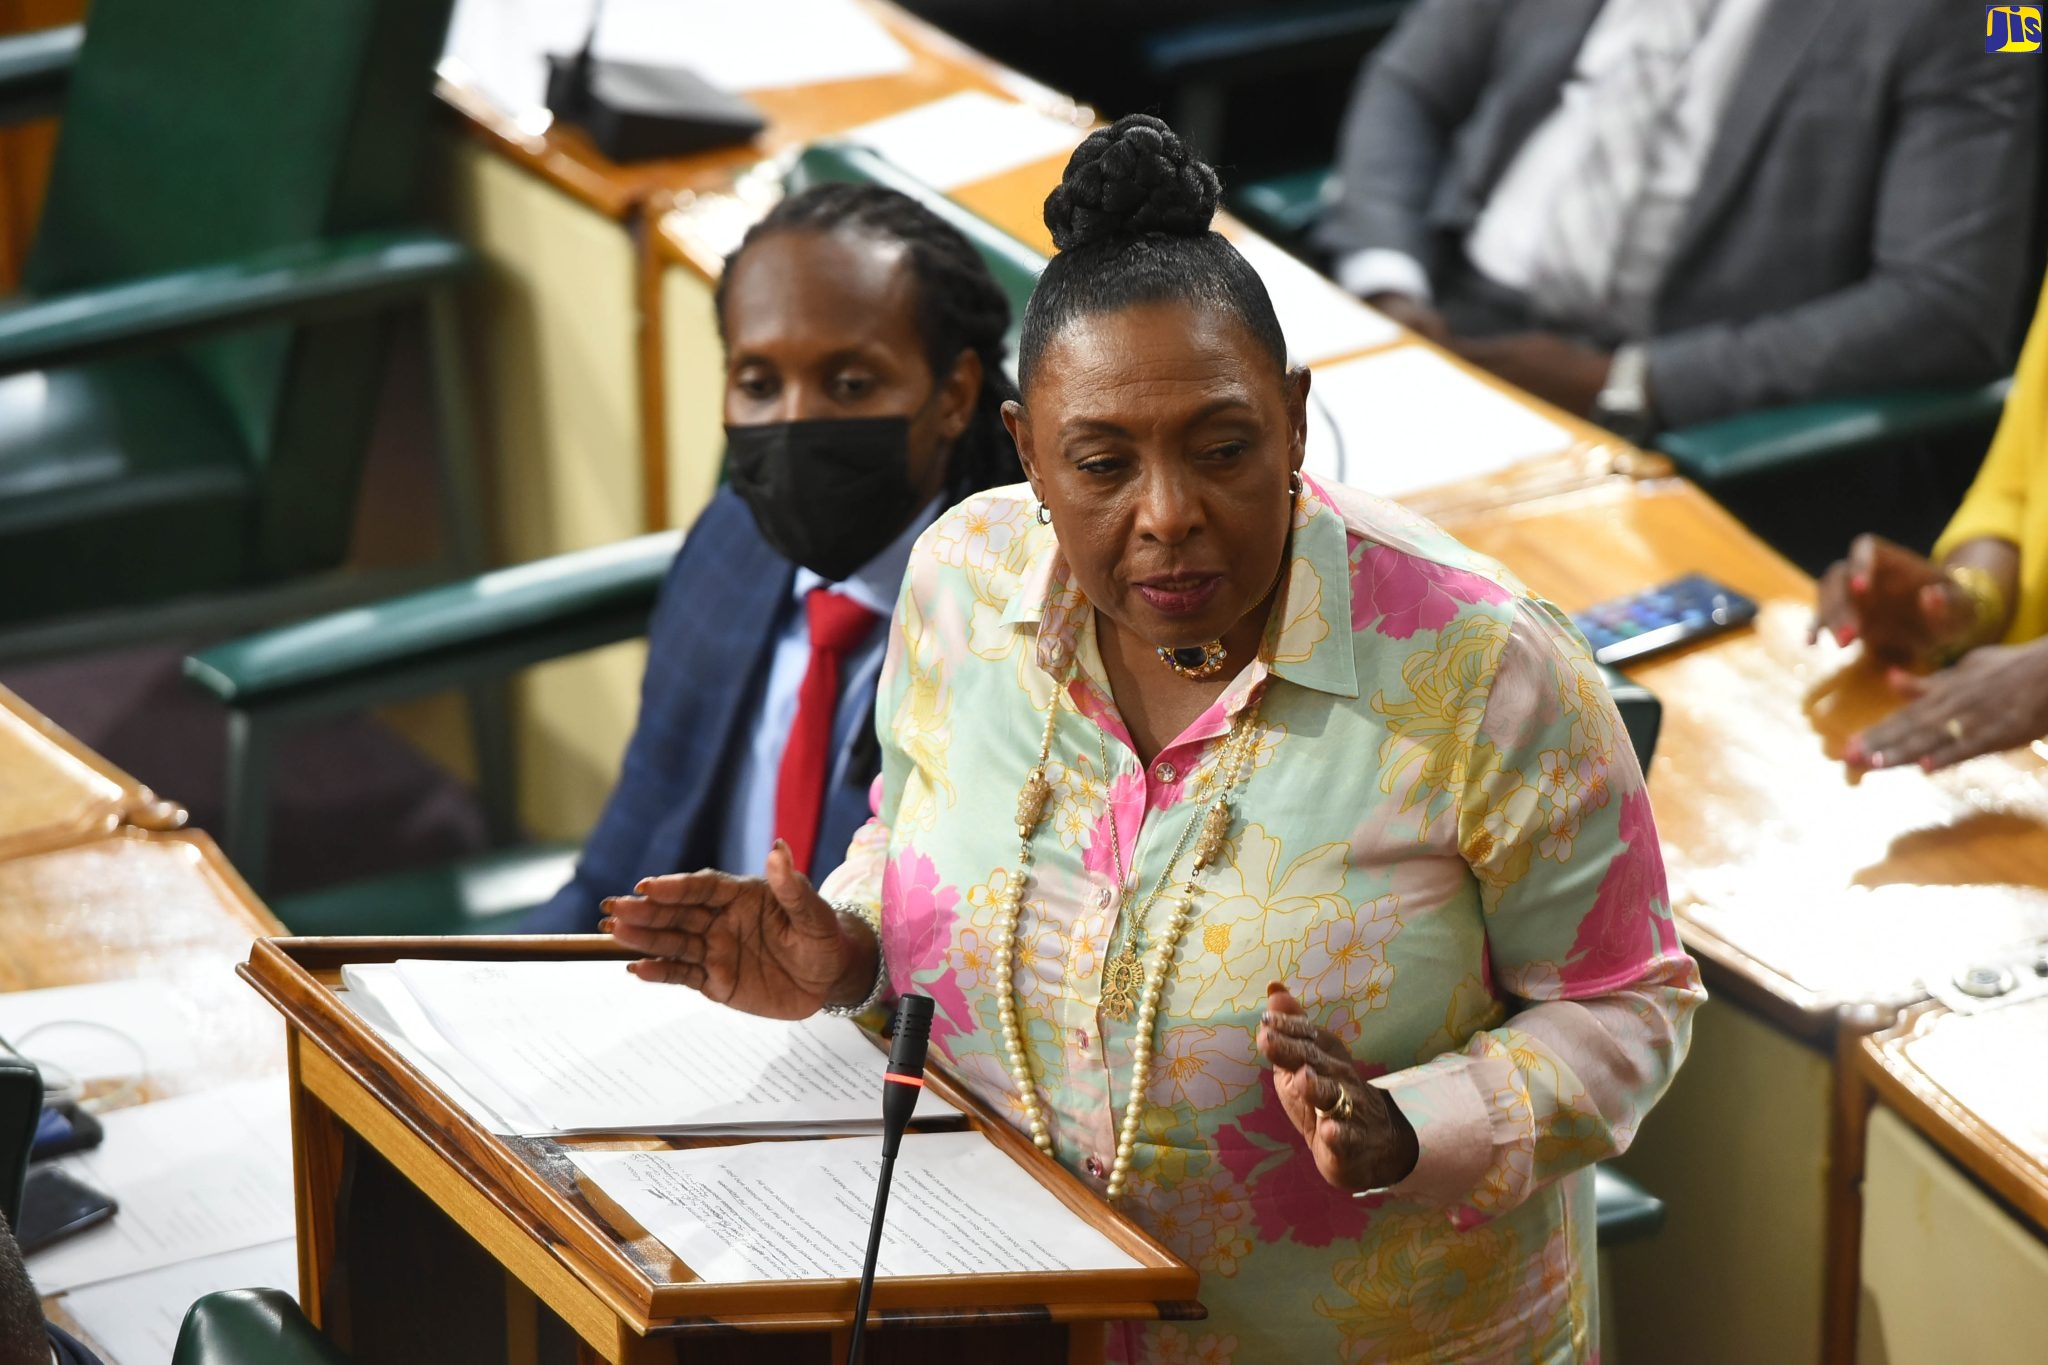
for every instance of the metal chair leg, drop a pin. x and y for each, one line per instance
(497, 762)
(245, 832)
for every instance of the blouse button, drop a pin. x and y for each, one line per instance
(1167, 773)
(1104, 898)
(1081, 1039)
(1093, 1165)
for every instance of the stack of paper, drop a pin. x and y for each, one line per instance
(800, 1210)
(1320, 320)
(194, 1176)
(540, 1048)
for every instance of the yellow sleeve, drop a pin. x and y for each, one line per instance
(1996, 505)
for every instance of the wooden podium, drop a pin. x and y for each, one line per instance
(424, 1237)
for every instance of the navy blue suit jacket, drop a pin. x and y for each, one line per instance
(726, 601)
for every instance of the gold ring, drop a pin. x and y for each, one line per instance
(1955, 728)
(1341, 1111)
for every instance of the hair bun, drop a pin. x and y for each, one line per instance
(1133, 178)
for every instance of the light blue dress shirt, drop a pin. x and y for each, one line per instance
(750, 814)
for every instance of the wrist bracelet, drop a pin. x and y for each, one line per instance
(1987, 600)
(871, 916)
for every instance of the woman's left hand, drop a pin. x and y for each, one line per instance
(1993, 699)
(1367, 1148)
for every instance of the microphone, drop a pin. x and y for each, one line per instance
(901, 1085)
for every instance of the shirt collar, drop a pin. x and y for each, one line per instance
(1308, 639)
(875, 584)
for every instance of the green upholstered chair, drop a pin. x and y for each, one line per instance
(189, 376)
(251, 1327)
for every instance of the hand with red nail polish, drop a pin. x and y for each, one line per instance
(1901, 605)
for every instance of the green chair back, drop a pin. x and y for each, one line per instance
(205, 130)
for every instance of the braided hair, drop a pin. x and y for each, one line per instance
(959, 308)
(1131, 220)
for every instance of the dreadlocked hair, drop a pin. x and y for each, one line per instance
(1131, 220)
(959, 308)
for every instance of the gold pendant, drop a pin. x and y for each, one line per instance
(1122, 979)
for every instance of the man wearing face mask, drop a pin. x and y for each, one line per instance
(864, 393)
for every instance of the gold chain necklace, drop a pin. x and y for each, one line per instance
(1214, 826)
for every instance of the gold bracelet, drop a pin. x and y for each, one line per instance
(1987, 600)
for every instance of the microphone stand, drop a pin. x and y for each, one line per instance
(901, 1086)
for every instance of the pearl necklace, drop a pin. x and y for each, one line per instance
(1214, 825)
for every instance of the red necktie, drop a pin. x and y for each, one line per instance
(838, 625)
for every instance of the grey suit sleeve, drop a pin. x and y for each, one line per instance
(1949, 251)
(1411, 97)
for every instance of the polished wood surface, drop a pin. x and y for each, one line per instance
(524, 1201)
(1811, 892)
(1977, 1087)
(138, 903)
(55, 791)
(798, 115)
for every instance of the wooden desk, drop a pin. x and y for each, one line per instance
(55, 791)
(1954, 1258)
(1813, 904)
(386, 1162)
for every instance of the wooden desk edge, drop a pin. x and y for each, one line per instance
(2016, 1175)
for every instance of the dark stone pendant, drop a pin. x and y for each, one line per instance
(1190, 657)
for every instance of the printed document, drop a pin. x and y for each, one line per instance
(751, 44)
(135, 1320)
(579, 1047)
(194, 1176)
(799, 1210)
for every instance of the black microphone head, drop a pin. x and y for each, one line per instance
(913, 1031)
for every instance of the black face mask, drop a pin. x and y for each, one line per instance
(829, 494)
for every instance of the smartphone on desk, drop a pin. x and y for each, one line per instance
(1663, 617)
(56, 1205)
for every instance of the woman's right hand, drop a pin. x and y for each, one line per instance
(768, 945)
(1903, 606)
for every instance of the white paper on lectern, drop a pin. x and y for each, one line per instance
(965, 137)
(589, 1047)
(135, 1320)
(1320, 320)
(375, 991)
(1408, 419)
(194, 1176)
(751, 44)
(800, 1210)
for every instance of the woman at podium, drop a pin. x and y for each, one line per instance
(1278, 864)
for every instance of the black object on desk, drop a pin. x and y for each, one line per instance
(637, 112)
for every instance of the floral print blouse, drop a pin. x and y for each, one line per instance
(1443, 847)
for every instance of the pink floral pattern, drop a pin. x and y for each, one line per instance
(1615, 935)
(917, 940)
(1399, 594)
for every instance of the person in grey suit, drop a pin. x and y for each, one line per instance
(1663, 212)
